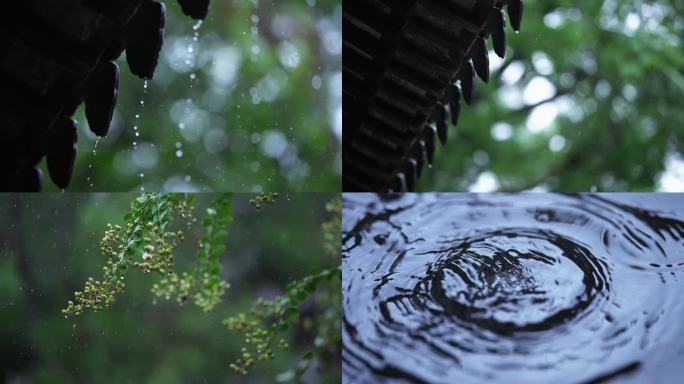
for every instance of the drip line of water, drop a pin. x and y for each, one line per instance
(89, 178)
(136, 127)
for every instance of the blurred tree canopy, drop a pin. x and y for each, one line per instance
(252, 104)
(587, 98)
(137, 340)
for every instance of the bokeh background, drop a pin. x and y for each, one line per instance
(253, 104)
(588, 98)
(49, 247)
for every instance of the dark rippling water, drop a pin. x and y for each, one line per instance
(523, 288)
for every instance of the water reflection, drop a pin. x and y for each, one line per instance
(526, 288)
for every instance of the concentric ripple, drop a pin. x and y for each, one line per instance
(511, 280)
(512, 288)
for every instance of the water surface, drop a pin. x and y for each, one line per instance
(522, 288)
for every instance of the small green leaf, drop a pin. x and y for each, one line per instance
(291, 313)
(219, 249)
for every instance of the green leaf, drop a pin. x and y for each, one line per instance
(219, 249)
(291, 313)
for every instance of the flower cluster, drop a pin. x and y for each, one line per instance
(269, 318)
(203, 284)
(186, 286)
(259, 330)
(157, 253)
(264, 199)
(97, 295)
(266, 320)
(142, 242)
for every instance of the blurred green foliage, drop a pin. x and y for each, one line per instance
(136, 340)
(588, 97)
(253, 105)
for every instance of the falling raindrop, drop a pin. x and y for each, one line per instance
(193, 47)
(191, 62)
(136, 125)
(89, 178)
(255, 50)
